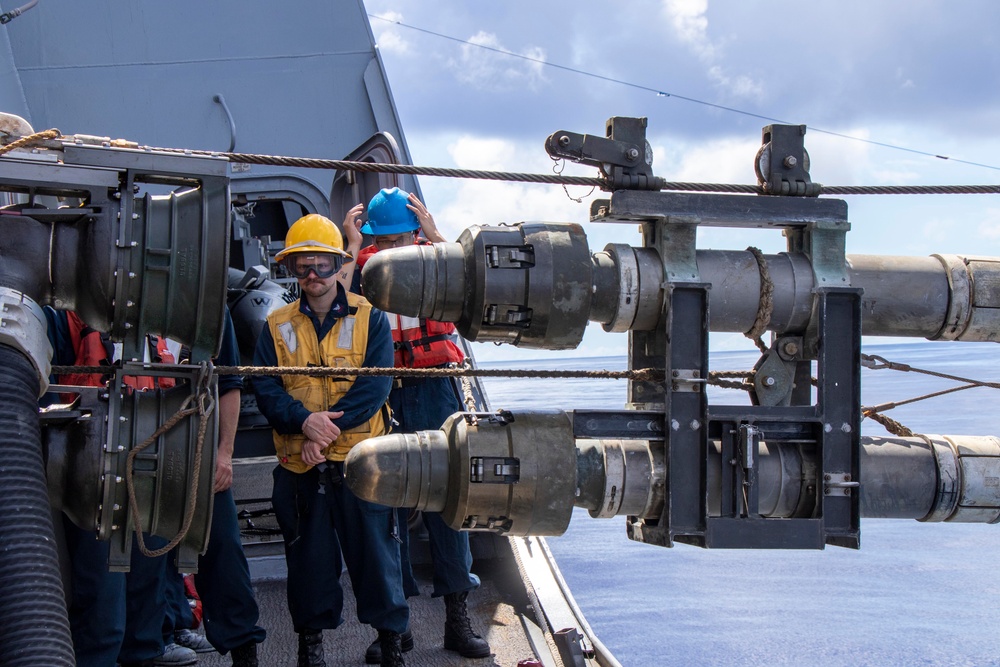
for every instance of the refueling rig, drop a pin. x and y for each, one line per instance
(137, 241)
(792, 469)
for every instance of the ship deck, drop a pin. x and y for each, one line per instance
(496, 608)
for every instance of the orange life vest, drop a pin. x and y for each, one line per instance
(419, 342)
(92, 348)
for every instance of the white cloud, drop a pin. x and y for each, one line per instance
(392, 42)
(388, 36)
(989, 226)
(690, 24)
(491, 68)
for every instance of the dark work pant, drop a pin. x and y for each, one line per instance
(97, 602)
(223, 582)
(319, 522)
(157, 605)
(424, 405)
(146, 603)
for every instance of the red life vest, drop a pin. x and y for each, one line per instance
(93, 349)
(419, 342)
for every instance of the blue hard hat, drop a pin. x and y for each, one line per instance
(387, 214)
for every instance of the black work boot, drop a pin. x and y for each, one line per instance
(458, 634)
(392, 650)
(373, 655)
(311, 649)
(245, 655)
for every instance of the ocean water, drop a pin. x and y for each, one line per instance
(914, 594)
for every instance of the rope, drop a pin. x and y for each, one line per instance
(205, 406)
(29, 140)
(641, 374)
(468, 397)
(875, 362)
(890, 424)
(765, 306)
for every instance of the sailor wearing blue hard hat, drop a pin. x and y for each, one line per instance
(395, 219)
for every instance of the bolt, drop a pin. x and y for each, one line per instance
(790, 161)
(791, 348)
(118, 479)
(768, 381)
(827, 428)
(675, 374)
(845, 427)
(675, 425)
(695, 424)
(632, 154)
(117, 507)
(827, 477)
(564, 140)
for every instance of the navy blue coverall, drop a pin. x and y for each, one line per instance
(319, 516)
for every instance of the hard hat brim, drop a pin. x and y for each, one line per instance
(312, 246)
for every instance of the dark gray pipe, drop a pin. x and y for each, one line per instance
(34, 628)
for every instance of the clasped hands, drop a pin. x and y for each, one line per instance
(320, 432)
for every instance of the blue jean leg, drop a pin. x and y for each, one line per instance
(451, 555)
(223, 582)
(145, 604)
(372, 556)
(179, 614)
(97, 604)
(423, 406)
(312, 550)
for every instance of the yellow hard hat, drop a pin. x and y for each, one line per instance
(313, 233)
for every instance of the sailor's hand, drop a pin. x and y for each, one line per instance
(425, 219)
(313, 453)
(319, 427)
(223, 472)
(352, 229)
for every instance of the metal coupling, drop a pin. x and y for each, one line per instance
(23, 326)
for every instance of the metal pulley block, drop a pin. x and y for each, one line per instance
(623, 156)
(782, 163)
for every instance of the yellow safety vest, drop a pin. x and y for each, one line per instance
(344, 346)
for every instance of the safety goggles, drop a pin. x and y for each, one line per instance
(323, 265)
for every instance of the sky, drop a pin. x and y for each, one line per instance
(918, 76)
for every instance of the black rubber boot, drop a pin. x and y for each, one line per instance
(392, 649)
(311, 649)
(373, 655)
(246, 655)
(458, 634)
